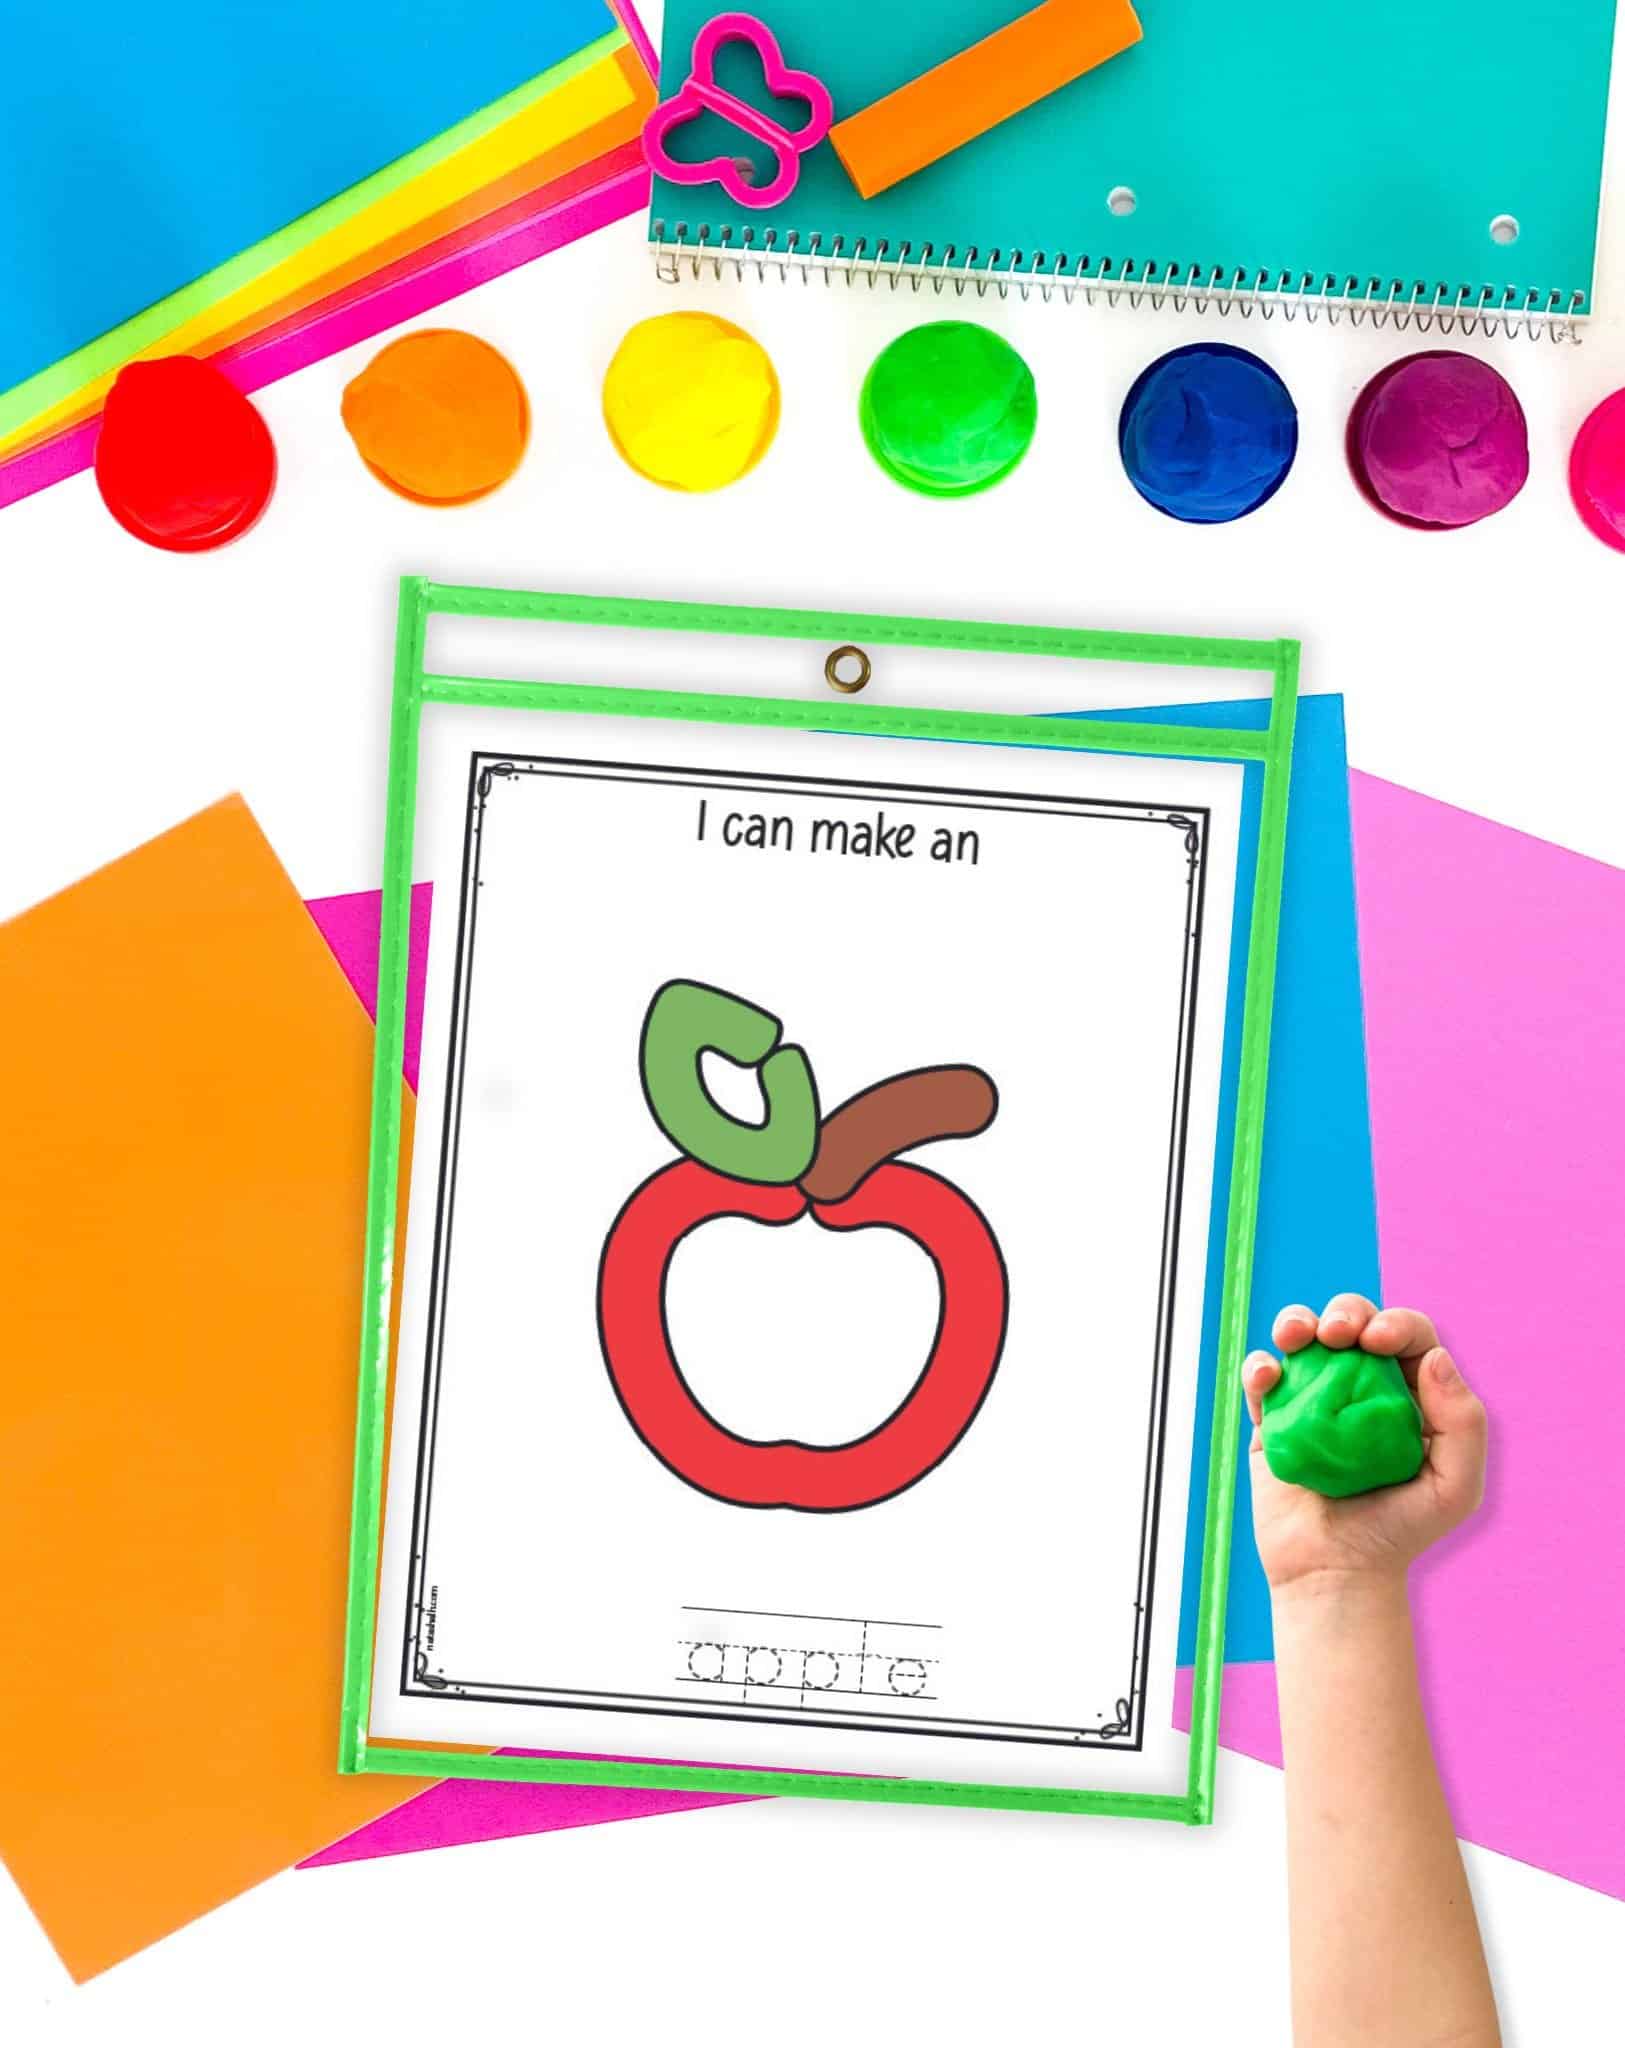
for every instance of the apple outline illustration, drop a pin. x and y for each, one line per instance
(847, 1177)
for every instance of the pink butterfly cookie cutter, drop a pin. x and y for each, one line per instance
(700, 93)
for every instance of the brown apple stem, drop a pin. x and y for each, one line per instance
(894, 1116)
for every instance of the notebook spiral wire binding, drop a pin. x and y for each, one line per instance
(1263, 294)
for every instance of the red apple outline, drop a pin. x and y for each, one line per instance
(925, 1426)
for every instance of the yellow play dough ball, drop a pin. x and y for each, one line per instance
(691, 401)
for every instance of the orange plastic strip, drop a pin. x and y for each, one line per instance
(942, 110)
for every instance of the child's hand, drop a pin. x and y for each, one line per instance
(1302, 1535)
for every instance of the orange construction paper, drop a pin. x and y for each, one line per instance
(183, 1167)
(945, 108)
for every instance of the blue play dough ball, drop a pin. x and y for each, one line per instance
(1208, 433)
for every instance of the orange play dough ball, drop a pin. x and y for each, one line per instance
(439, 416)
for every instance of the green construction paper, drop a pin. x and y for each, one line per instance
(1341, 1423)
(47, 387)
(948, 409)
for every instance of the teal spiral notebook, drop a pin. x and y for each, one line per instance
(1393, 156)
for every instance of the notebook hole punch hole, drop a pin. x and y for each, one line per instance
(847, 669)
(1504, 229)
(1121, 199)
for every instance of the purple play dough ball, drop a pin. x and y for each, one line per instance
(1440, 440)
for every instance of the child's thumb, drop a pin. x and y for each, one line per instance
(1459, 1429)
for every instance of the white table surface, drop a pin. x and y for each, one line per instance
(1483, 668)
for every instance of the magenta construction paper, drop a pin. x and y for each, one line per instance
(627, 15)
(467, 1810)
(251, 363)
(350, 926)
(1495, 1008)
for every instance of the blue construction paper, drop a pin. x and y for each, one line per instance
(1345, 148)
(142, 148)
(1317, 1219)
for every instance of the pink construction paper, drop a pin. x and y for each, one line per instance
(325, 328)
(1249, 1719)
(350, 926)
(1495, 1005)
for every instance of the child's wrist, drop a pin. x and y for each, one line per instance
(1341, 1590)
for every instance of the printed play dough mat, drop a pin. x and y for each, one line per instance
(734, 1425)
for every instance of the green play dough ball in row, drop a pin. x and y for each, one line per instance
(948, 409)
(1341, 1422)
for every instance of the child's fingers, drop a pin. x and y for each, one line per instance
(1259, 1372)
(1458, 1431)
(1294, 1328)
(1343, 1319)
(1400, 1333)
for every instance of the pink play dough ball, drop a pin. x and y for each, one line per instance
(1597, 472)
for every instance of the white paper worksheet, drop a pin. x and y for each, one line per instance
(983, 1360)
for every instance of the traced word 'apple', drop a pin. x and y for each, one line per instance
(842, 1172)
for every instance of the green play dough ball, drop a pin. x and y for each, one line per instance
(948, 408)
(1341, 1422)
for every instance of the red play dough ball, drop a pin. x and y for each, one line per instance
(1597, 472)
(183, 461)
